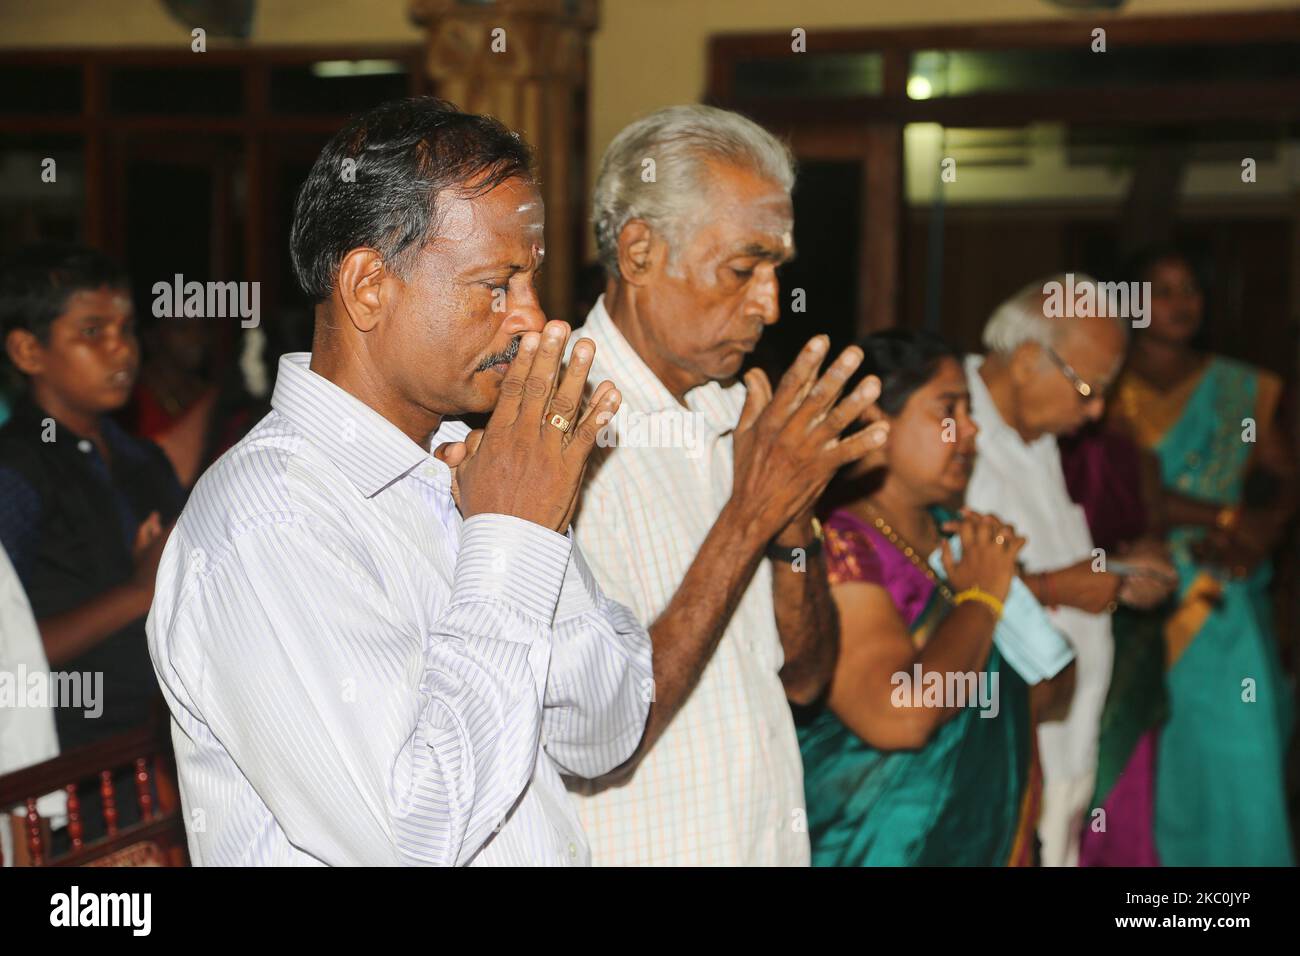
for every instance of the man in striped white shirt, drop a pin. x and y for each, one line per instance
(378, 642)
(698, 513)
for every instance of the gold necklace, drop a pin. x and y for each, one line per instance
(909, 552)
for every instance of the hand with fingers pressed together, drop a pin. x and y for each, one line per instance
(989, 548)
(529, 459)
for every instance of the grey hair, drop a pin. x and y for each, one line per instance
(1021, 318)
(680, 140)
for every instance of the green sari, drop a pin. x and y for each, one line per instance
(964, 798)
(1220, 785)
(1136, 702)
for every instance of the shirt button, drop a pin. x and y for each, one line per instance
(85, 445)
(573, 851)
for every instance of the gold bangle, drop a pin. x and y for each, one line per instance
(979, 594)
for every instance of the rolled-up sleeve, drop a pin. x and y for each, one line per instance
(372, 739)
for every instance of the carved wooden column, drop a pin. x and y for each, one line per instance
(524, 62)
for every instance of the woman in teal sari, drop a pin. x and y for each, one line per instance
(1211, 424)
(896, 772)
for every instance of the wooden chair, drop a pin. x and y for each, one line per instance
(158, 838)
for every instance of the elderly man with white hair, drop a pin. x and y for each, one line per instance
(698, 512)
(1043, 377)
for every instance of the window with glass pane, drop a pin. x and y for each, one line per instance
(337, 87)
(45, 90)
(42, 189)
(827, 74)
(169, 91)
(963, 72)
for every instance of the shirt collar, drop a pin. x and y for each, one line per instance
(993, 427)
(369, 449)
(642, 391)
(982, 409)
(29, 419)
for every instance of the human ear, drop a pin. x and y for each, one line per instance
(25, 351)
(1024, 362)
(636, 247)
(361, 287)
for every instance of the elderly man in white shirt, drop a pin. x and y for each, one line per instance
(697, 512)
(378, 642)
(1047, 376)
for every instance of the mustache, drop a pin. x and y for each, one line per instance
(506, 356)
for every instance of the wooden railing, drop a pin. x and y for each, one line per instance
(157, 838)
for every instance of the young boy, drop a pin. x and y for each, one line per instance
(83, 505)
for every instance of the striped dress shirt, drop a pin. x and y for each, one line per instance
(724, 784)
(357, 677)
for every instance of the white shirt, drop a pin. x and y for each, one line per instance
(356, 677)
(723, 785)
(1024, 485)
(27, 733)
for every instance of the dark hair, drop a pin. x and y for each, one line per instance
(37, 280)
(903, 360)
(1144, 260)
(1139, 266)
(403, 154)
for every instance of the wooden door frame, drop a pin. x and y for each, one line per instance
(874, 147)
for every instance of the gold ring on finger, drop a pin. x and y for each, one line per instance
(1001, 539)
(562, 423)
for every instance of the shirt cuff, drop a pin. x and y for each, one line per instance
(579, 594)
(513, 561)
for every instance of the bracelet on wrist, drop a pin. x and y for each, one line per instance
(813, 548)
(979, 594)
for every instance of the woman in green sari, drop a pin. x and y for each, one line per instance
(896, 771)
(1227, 476)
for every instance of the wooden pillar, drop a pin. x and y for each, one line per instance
(523, 61)
(880, 254)
(95, 215)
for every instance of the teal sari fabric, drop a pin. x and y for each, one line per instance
(957, 800)
(1220, 787)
